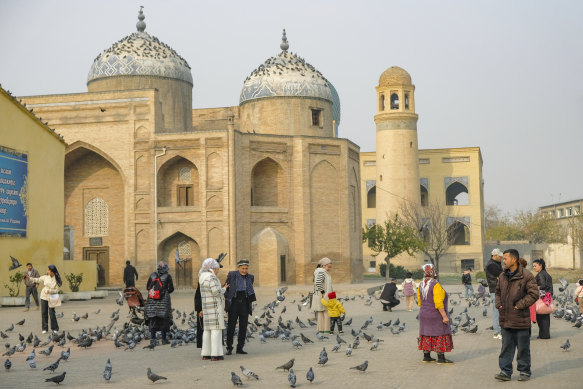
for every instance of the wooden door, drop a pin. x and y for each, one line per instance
(184, 274)
(101, 257)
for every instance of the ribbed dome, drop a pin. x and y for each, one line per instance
(286, 74)
(395, 76)
(140, 54)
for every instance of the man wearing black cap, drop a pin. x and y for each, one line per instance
(129, 272)
(238, 298)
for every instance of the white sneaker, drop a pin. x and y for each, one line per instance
(44, 332)
(498, 336)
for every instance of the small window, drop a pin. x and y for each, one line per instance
(185, 195)
(569, 211)
(406, 100)
(468, 263)
(424, 196)
(382, 103)
(577, 210)
(394, 101)
(560, 212)
(317, 117)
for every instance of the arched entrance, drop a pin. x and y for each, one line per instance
(269, 255)
(187, 250)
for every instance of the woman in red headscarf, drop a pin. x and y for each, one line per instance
(434, 327)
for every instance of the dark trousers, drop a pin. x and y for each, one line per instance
(239, 311)
(333, 321)
(515, 339)
(45, 313)
(130, 283)
(390, 304)
(31, 290)
(544, 326)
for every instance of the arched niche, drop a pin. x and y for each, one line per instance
(270, 261)
(456, 194)
(214, 176)
(458, 234)
(178, 183)
(268, 185)
(325, 211)
(371, 197)
(185, 274)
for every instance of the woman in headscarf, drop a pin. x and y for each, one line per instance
(434, 327)
(322, 286)
(213, 310)
(545, 285)
(52, 282)
(158, 308)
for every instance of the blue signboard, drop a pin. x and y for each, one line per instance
(13, 193)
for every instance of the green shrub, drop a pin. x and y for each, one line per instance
(399, 272)
(481, 274)
(15, 281)
(74, 281)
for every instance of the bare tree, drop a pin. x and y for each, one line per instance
(575, 231)
(430, 222)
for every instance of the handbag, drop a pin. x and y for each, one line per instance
(54, 300)
(544, 309)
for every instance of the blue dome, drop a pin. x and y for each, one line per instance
(335, 103)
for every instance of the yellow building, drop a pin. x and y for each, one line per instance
(147, 177)
(31, 196)
(398, 175)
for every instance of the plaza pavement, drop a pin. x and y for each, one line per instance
(396, 364)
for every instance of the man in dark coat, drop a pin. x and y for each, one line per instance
(388, 298)
(129, 272)
(238, 298)
(516, 291)
(493, 270)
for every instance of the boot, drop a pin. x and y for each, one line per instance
(427, 357)
(241, 351)
(229, 351)
(441, 360)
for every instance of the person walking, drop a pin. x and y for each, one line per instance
(579, 295)
(213, 308)
(158, 307)
(516, 291)
(130, 275)
(239, 297)
(434, 326)
(31, 287)
(388, 295)
(545, 285)
(51, 283)
(467, 281)
(322, 283)
(335, 309)
(493, 270)
(409, 291)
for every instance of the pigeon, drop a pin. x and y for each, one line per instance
(20, 322)
(97, 312)
(291, 377)
(47, 351)
(336, 347)
(108, 370)
(31, 356)
(356, 342)
(288, 365)
(473, 330)
(3, 335)
(57, 379)
(310, 375)
(323, 360)
(85, 316)
(15, 263)
(53, 366)
(348, 351)
(349, 322)
(248, 373)
(66, 354)
(566, 345)
(296, 343)
(306, 339)
(362, 367)
(375, 345)
(10, 328)
(235, 379)
(7, 364)
(562, 280)
(31, 363)
(339, 339)
(154, 377)
(320, 336)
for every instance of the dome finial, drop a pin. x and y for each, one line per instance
(284, 45)
(141, 25)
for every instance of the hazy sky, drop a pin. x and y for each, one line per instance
(501, 75)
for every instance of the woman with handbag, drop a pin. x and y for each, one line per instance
(51, 282)
(545, 285)
(158, 307)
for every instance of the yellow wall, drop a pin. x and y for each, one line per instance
(43, 245)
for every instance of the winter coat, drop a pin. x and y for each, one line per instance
(388, 293)
(519, 290)
(161, 308)
(493, 270)
(213, 301)
(467, 279)
(129, 272)
(409, 287)
(32, 274)
(545, 281)
(231, 292)
(334, 306)
(50, 286)
(322, 282)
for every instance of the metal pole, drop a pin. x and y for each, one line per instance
(156, 205)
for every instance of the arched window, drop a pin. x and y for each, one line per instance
(184, 175)
(96, 218)
(371, 197)
(406, 100)
(458, 234)
(382, 103)
(184, 250)
(394, 101)
(457, 194)
(424, 196)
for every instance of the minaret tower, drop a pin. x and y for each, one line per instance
(397, 160)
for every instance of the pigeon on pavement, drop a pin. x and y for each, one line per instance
(291, 377)
(235, 379)
(154, 377)
(248, 373)
(53, 366)
(361, 367)
(288, 365)
(566, 345)
(57, 379)
(310, 375)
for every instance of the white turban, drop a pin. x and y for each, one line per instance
(207, 265)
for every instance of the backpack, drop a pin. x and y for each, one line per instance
(156, 291)
(408, 288)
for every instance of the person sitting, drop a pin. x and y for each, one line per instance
(388, 295)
